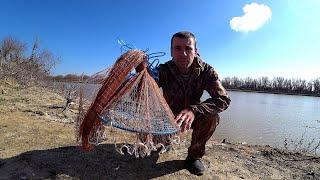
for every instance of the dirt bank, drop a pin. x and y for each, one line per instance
(38, 142)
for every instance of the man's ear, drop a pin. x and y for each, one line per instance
(171, 52)
(196, 52)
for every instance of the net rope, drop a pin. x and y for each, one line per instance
(130, 102)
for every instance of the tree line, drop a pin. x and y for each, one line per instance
(69, 78)
(275, 85)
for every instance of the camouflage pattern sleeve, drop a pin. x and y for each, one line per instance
(154, 72)
(219, 100)
(161, 75)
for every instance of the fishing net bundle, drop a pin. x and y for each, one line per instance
(132, 106)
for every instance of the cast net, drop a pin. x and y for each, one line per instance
(132, 103)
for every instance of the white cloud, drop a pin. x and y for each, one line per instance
(255, 16)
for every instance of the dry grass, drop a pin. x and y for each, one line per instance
(35, 144)
(28, 120)
(22, 132)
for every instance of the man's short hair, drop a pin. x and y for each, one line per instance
(186, 35)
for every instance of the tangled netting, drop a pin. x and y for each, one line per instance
(130, 102)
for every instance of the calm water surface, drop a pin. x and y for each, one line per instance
(260, 118)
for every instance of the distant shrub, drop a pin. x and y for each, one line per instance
(26, 69)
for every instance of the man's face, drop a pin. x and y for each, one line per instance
(183, 51)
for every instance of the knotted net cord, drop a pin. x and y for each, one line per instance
(132, 104)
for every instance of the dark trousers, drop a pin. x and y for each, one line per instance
(203, 129)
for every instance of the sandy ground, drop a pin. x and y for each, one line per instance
(38, 142)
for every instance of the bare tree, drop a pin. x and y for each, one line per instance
(316, 86)
(11, 56)
(277, 84)
(299, 85)
(25, 69)
(264, 83)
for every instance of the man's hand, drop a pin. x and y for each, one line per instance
(184, 119)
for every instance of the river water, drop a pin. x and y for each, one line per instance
(269, 119)
(261, 118)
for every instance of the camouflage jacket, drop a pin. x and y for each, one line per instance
(184, 91)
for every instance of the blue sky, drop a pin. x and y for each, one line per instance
(237, 37)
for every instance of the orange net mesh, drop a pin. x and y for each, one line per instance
(133, 104)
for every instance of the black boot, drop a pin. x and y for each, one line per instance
(194, 166)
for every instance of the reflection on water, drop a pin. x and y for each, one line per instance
(259, 118)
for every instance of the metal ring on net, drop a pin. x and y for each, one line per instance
(176, 140)
(141, 150)
(162, 148)
(98, 135)
(125, 148)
